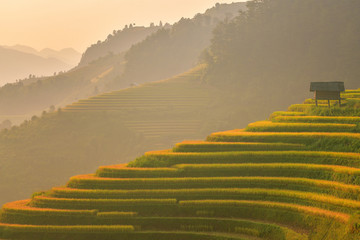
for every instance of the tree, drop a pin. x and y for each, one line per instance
(6, 124)
(52, 108)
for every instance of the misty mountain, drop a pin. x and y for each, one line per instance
(23, 48)
(117, 42)
(33, 95)
(18, 65)
(177, 52)
(173, 50)
(67, 55)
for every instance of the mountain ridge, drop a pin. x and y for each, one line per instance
(67, 55)
(16, 65)
(23, 99)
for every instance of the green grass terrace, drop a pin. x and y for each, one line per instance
(295, 176)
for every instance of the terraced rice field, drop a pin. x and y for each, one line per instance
(172, 103)
(293, 177)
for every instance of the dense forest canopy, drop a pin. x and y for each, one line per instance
(286, 44)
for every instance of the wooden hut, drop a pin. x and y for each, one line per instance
(327, 91)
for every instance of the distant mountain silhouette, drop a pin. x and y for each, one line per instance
(16, 64)
(67, 55)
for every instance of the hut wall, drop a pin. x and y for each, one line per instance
(327, 95)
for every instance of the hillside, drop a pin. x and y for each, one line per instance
(259, 62)
(117, 42)
(16, 65)
(103, 64)
(162, 111)
(113, 127)
(292, 177)
(277, 47)
(22, 100)
(176, 49)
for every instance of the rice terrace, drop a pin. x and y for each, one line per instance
(180, 120)
(295, 176)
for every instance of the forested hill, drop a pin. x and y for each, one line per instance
(117, 42)
(171, 51)
(278, 46)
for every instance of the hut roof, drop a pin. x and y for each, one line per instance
(327, 86)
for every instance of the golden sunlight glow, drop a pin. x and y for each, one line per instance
(79, 23)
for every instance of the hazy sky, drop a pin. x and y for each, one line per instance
(79, 23)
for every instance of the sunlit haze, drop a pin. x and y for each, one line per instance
(180, 119)
(79, 23)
